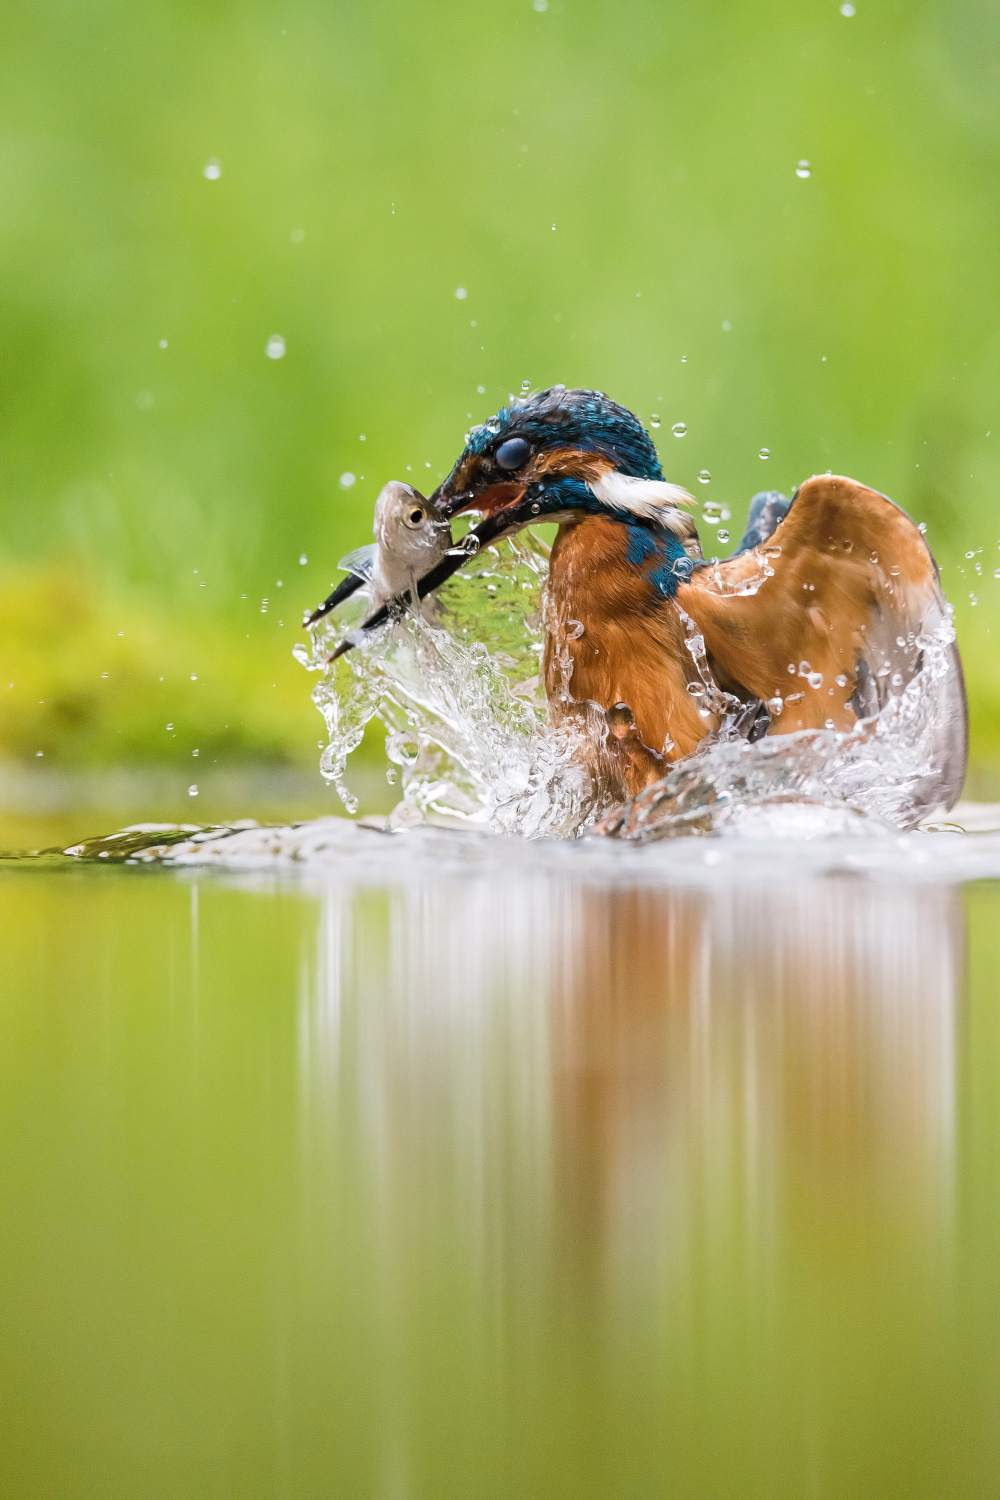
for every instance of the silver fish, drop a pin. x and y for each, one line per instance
(409, 542)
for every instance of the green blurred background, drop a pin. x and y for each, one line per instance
(614, 186)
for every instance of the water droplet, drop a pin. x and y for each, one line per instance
(774, 706)
(620, 719)
(696, 689)
(275, 347)
(402, 748)
(841, 679)
(194, 676)
(481, 389)
(829, 724)
(704, 477)
(170, 726)
(163, 343)
(684, 359)
(804, 669)
(212, 169)
(302, 559)
(764, 453)
(897, 679)
(727, 327)
(847, 9)
(540, 6)
(346, 480)
(526, 385)
(712, 512)
(679, 429)
(802, 170)
(654, 420)
(814, 679)
(536, 509)
(574, 630)
(723, 536)
(461, 293)
(996, 572)
(970, 554)
(193, 789)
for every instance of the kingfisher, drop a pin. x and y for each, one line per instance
(821, 614)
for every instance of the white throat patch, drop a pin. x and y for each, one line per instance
(652, 499)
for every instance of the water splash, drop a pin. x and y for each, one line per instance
(458, 688)
(877, 777)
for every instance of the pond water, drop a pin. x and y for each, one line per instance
(420, 1168)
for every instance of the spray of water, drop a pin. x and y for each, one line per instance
(457, 687)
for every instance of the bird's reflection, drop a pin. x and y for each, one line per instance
(632, 1078)
(726, 1064)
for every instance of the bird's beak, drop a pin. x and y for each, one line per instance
(488, 500)
(345, 588)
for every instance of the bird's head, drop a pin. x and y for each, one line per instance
(562, 455)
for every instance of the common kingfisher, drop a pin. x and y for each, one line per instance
(822, 612)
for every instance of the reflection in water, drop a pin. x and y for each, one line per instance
(498, 1183)
(649, 1046)
(661, 1116)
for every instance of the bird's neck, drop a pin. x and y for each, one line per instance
(611, 633)
(606, 568)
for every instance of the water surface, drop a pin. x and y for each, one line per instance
(501, 1183)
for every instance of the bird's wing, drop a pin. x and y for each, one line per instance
(767, 511)
(831, 615)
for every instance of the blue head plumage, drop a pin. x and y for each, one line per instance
(553, 422)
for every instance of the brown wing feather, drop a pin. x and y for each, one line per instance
(850, 576)
(852, 585)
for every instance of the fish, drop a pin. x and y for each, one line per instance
(409, 543)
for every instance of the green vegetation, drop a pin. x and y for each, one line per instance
(614, 187)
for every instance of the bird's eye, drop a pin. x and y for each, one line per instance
(414, 516)
(512, 453)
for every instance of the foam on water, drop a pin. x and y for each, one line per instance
(779, 845)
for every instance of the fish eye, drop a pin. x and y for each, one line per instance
(415, 516)
(512, 453)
